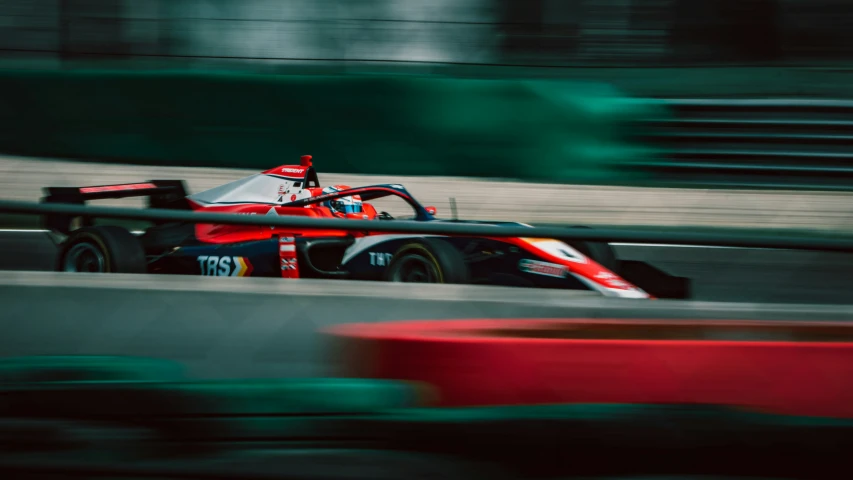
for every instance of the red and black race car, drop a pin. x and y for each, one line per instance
(243, 250)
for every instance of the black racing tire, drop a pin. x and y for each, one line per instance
(101, 249)
(601, 253)
(428, 260)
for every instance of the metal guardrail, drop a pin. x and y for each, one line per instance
(797, 143)
(793, 242)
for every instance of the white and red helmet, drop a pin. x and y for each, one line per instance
(343, 206)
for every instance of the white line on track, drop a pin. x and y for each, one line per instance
(675, 245)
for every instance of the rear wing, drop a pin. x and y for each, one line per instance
(168, 194)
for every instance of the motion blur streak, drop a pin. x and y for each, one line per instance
(528, 32)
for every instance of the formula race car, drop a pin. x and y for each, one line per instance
(244, 251)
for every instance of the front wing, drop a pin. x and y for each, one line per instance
(499, 262)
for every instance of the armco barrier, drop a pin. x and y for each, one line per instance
(752, 143)
(403, 125)
(785, 367)
(833, 243)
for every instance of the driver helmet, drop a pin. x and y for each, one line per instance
(343, 206)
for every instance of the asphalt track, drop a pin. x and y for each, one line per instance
(718, 274)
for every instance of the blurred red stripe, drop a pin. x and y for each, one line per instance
(789, 368)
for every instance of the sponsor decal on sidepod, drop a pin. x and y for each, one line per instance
(225, 266)
(542, 268)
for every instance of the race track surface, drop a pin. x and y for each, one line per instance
(718, 274)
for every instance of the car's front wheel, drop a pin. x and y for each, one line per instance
(428, 260)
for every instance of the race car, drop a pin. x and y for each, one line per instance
(265, 251)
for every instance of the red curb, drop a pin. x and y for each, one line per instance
(798, 368)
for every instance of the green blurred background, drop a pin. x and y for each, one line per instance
(528, 89)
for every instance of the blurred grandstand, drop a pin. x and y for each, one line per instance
(707, 47)
(471, 32)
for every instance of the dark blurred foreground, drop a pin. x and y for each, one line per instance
(103, 417)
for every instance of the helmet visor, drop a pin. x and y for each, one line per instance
(346, 206)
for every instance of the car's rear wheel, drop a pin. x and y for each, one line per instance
(101, 249)
(427, 260)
